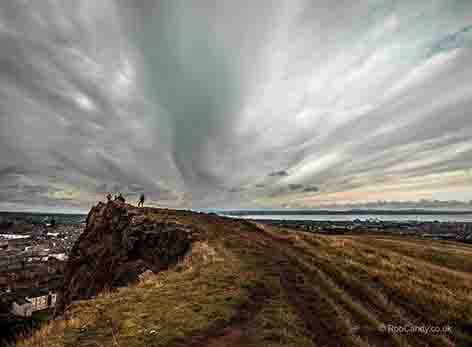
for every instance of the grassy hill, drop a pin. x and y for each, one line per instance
(252, 285)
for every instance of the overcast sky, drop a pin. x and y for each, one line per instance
(223, 103)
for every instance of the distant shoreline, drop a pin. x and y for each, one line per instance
(342, 212)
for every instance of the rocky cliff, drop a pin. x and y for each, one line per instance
(119, 243)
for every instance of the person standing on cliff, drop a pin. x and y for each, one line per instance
(108, 197)
(141, 201)
(120, 198)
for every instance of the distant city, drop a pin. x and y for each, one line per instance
(34, 250)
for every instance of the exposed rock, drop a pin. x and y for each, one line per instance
(146, 275)
(119, 243)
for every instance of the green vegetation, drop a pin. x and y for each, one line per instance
(248, 285)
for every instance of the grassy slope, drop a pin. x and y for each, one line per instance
(258, 286)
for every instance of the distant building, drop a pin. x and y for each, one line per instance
(21, 307)
(42, 301)
(25, 302)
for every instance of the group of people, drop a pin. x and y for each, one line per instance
(121, 198)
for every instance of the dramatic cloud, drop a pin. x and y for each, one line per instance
(278, 174)
(234, 104)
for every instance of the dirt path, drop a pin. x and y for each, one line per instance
(233, 333)
(335, 309)
(360, 307)
(232, 337)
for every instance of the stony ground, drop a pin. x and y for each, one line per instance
(252, 285)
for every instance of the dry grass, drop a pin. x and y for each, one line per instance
(158, 309)
(318, 290)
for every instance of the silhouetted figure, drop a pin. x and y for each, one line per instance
(120, 198)
(141, 201)
(53, 222)
(108, 197)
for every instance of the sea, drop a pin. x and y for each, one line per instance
(443, 218)
(352, 215)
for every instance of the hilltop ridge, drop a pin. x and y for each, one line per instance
(119, 243)
(215, 281)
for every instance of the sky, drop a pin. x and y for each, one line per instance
(234, 104)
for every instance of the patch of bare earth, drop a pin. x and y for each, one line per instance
(233, 333)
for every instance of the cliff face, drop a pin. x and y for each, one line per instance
(119, 243)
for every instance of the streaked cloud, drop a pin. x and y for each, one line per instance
(234, 104)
